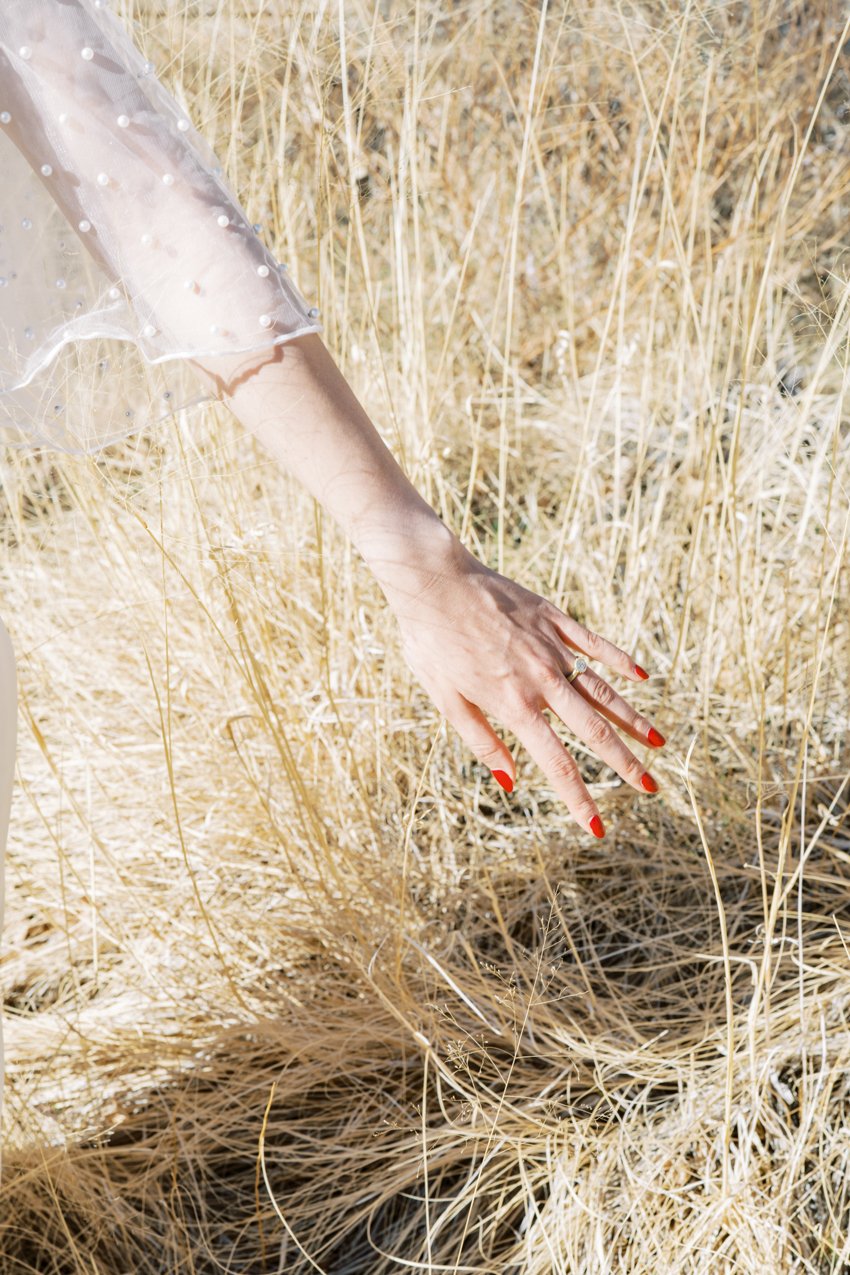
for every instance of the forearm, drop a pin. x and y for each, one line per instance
(294, 398)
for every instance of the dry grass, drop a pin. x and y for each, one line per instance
(290, 984)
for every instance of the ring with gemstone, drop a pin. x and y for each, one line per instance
(579, 667)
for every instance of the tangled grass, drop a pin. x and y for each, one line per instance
(290, 985)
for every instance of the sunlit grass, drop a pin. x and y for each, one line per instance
(290, 983)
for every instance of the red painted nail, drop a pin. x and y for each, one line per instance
(504, 779)
(641, 672)
(596, 827)
(647, 782)
(655, 739)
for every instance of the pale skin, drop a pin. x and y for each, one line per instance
(480, 644)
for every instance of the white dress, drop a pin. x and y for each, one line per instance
(123, 253)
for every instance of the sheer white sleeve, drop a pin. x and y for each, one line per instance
(117, 230)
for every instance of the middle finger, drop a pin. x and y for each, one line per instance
(580, 715)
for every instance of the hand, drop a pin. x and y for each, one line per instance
(481, 643)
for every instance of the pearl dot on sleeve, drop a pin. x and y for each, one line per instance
(114, 293)
(149, 330)
(147, 239)
(60, 283)
(102, 179)
(263, 271)
(5, 117)
(85, 225)
(123, 121)
(313, 312)
(223, 220)
(214, 328)
(87, 53)
(183, 125)
(26, 223)
(167, 179)
(46, 170)
(265, 321)
(25, 52)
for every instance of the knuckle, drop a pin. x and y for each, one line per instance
(549, 675)
(489, 753)
(604, 693)
(598, 732)
(633, 768)
(592, 641)
(585, 809)
(564, 766)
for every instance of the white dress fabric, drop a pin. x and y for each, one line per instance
(123, 251)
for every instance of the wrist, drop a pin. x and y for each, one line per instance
(408, 556)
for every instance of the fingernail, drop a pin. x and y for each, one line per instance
(596, 827)
(504, 779)
(655, 739)
(641, 672)
(647, 782)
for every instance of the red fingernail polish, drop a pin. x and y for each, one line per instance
(596, 827)
(655, 739)
(641, 672)
(647, 782)
(504, 779)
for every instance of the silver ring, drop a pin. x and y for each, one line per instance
(579, 667)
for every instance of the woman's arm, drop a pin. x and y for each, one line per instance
(478, 642)
(294, 398)
(145, 198)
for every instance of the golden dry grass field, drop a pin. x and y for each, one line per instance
(290, 984)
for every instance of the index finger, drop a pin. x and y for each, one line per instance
(594, 646)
